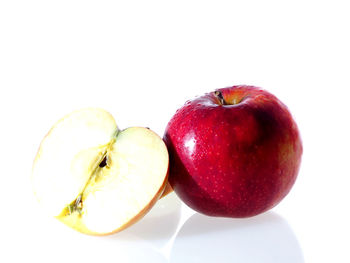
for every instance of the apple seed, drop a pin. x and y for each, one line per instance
(103, 162)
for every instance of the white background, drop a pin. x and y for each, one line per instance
(141, 60)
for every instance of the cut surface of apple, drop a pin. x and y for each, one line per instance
(96, 178)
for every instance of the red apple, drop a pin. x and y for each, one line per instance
(234, 152)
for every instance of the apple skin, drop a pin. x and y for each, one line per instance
(235, 152)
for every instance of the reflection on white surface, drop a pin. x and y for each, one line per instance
(158, 226)
(161, 237)
(70, 246)
(264, 238)
(48, 240)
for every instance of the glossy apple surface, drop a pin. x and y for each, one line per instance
(234, 152)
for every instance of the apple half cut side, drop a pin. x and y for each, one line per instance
(96, 178)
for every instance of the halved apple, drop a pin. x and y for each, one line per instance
(96, 178)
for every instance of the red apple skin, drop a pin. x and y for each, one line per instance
(237, 156)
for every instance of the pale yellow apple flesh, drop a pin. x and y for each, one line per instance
(94, 177)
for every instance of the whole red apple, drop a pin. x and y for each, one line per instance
(234, 152)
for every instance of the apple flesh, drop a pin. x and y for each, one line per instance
(234, 152)
(96, 178)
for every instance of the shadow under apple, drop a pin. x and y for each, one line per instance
(264, 238)
(158, 225)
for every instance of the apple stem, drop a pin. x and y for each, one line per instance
(220, 97)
